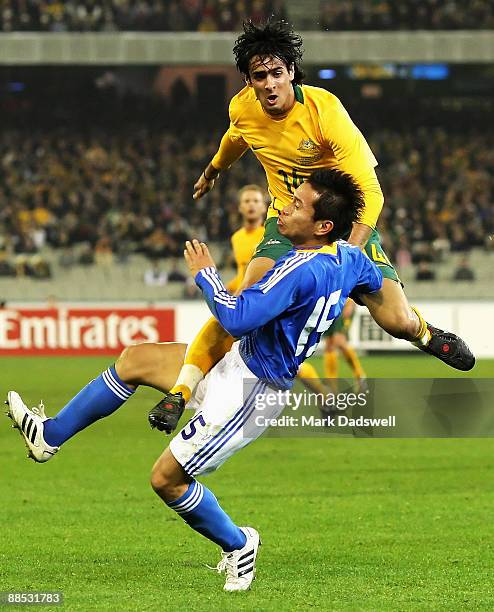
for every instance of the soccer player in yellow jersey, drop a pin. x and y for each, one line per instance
(252, 207)
(294, 129)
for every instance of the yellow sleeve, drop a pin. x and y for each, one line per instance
(354, 157)
(232, 147)
(232, 144)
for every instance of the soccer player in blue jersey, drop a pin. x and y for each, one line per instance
(279, 321)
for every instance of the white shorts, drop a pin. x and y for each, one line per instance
(233, 408)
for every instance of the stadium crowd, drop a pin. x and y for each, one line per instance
(406, 15)
(127, 15)
(227, 15)
(97, 199)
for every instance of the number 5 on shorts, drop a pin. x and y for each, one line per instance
(187, 435)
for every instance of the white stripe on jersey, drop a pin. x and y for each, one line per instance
(208, 278)
(285, 269)
(212, 280)
(220, 300)
(288, 262)
(220, 291)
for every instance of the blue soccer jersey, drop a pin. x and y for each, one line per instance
(282, 317)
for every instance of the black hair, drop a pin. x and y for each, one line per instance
(271, 39)
(341, 201)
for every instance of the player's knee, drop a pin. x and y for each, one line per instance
(127, 363)
(161, 482)
(166, 482)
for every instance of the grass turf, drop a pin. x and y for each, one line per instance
(346, 523)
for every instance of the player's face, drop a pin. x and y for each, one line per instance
(272, 83)
(296, 221)
(252, 206)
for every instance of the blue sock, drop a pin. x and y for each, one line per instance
(201, 510)
(98, 399)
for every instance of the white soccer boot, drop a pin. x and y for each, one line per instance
(240, 565)
(29, 422)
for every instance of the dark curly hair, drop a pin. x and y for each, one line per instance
(271, 39)
(341, 201)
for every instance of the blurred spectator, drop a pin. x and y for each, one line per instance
(155, 276)
(22, 267)
(463, 271)
(40, 268)
(103, 252)
(425, 272)
(406, 15)
(175, 275)
(145, 15)
(403, 255)
(67, 258)
(227, 15)
(86, 255)
(6, 267)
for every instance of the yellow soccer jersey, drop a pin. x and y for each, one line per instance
(244, 243)
(316, 133)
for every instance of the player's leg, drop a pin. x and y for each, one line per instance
(307, 373)
(330, 359)
(351, 357)
(179, 491)
(153, 365)
(200, 509)
(391, 311)
(218, 430)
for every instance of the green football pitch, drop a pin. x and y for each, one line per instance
(346, 524)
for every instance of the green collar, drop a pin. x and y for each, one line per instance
(299, 94)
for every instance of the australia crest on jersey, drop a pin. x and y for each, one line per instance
(310, 151)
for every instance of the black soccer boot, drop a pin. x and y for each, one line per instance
(448, 348)
(167, 412)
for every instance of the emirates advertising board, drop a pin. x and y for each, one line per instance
(74, 330)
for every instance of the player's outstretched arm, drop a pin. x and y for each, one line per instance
(232, 147)
(254, 307)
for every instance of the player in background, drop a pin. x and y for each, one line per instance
(294, 129)
(336, 339)
(280, 320)
(252, 208)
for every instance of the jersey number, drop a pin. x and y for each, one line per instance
(187, 435)
(321, 314)
(293, 181)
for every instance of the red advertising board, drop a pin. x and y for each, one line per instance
(82, 331)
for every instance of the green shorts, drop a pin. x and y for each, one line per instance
(375, 253)
(274, 246)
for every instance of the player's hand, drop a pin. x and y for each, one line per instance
(197, 256)
(202, 186)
